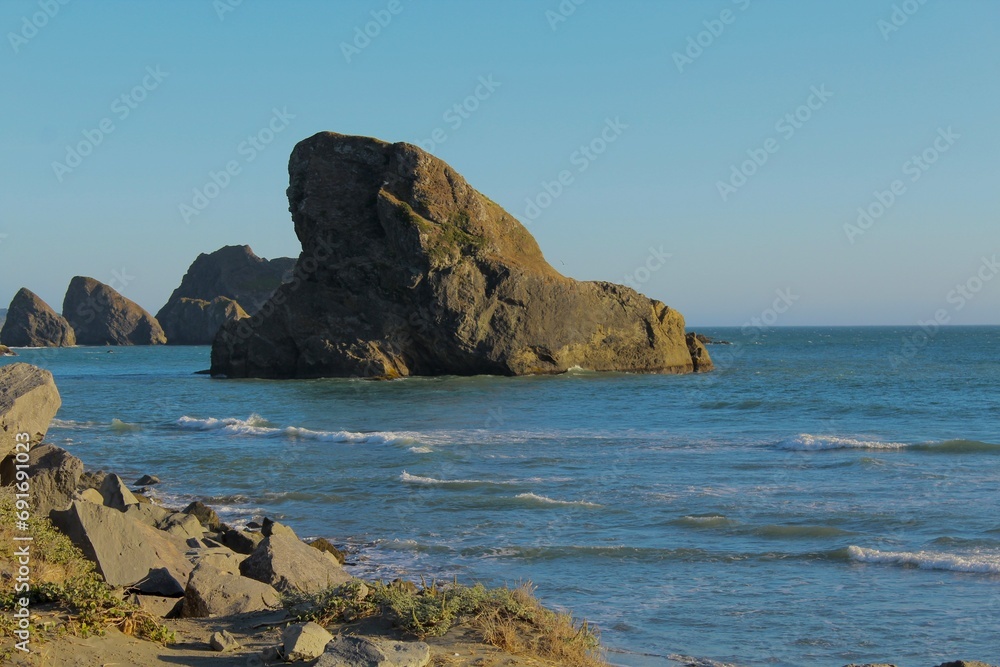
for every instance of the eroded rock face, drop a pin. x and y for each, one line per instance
(32, 323)
(196, 321)
(220, 287)
(101, 316)
(28, 402)
(407, 270)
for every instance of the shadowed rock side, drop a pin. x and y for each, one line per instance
(196, 321)
(101, 316)
(407, 270)
(232, 272)
(32, 323)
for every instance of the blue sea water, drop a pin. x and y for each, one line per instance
(828, 495)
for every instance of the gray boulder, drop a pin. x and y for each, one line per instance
(124, 550)
(369, 652)
(305, 641)
(242, 541)
(269, 528)
(212, 592)
(205, 514)
(28, 402)
(289, 564)
(32, 323)
(223, 641)
(100, 315)
(55, 474)
(182, 525)
(116, 494)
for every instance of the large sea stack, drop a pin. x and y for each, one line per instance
(101, 316)
(407, 270)
(219, 287)
(32, 323)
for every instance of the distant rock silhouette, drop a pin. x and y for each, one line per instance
(101, 316)
(244, 282)
(32, 323)
(407, 270)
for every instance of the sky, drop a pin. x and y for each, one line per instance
(808, 163)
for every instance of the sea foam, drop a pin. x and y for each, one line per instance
(927, 560)
(257, 426)
(806, 442)
(536, 499)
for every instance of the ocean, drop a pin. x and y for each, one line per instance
(828, 495)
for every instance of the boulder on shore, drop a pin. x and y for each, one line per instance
(55, 474)
(28, 402)
(32, 323)
(212, 592)
(100, 315)
(125, 551)
(408, 270)
(371, 652)
(288, 564)
(227, 285)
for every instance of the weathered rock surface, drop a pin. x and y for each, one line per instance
(196, 321)
(55, 474)
(324, 544)
(270, 527)
(304, 641)
(7, 352)
(407, 270)
(369, 652)
(124, 550)
(101, 316)
(28, 402)
(223, 641)
(116, 494)
(219, 287)
(288, 564)
(205, 514)
(211, 592)
(32, 323)
(241, 541)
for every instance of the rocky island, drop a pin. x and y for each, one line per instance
(406, 269)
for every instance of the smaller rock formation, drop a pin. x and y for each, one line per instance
(214, 592)
(101, 316)
(7, 352)
(55, 475)
(28, 402)
(32, 323)
(228, 284)
(304, 641)
(288, 564)
(196, 321)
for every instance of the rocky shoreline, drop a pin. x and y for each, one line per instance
(219, 595)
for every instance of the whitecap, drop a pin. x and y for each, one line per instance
(806, 442)
(545, 500)
(981, 563)
(257, 426)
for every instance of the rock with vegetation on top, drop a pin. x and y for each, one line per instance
(124, 550)
(28, 402)
(408, 270)
(55, 474)
(370, 652)
(101, 316)
(289, 564)
(32, 323)
(226, 285)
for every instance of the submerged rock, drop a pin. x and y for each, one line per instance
(407, 270)
(28, 402)
(226, 285)
(101, 316)
(32, 323)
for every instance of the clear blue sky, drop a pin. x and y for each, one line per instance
(115, 216)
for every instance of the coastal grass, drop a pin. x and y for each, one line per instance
(63, 577)
(510, 619)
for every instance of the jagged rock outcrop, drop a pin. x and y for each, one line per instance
(196, 321)
(407, 270)
(28, 402)
(32, 323)
(100, 315)
(219, 287)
